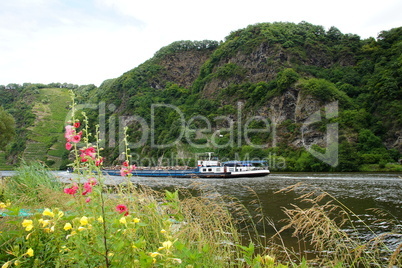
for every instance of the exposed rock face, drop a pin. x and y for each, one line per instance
(184, 67)
(262, 64)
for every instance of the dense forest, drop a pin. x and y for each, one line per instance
(257, 94)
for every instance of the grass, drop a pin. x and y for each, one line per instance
(3, 164)
(337, 234)
(204, 230)
(201, 232)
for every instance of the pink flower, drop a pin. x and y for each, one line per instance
(76, 138)
(72, 190)
(126, 169)
(69, 146)
(92, 181)
(124, 172)
(70, 131)
(122, 209)
(88, 185)
(88, 153)
(88, 200)
(88, 188)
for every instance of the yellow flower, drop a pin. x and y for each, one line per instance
(167, 244)
(136, 220)
(84, 221)
(28, 224)
(123, 220)
(60, 214)
(67, 226)
(17, 263)
(154, 254)
(44, 222)
(48, 212)
(100, 219)
(163, 231)
(2, 205)
(81, 228)
(30, 252)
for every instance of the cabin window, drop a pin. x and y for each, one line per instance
(209, 169)
(204, 169)
(218, 170)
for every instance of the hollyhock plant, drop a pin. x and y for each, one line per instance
(126, 169)
(88, 153)
(70, 132)
(72, 190)
(77, 124)
(99, 162)
(122, 209)
(69, 146)
(92, 181)
(87, 188)
(76, 138)
(88, 185)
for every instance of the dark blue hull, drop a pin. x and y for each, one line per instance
(191, 173)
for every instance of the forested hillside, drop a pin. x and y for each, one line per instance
(257, 94)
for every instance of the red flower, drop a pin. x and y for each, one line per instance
(72, 190)
(122, 209)
(77, 124)
(99, 162)
(125, 163)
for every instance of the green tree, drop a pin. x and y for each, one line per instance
(7, 128)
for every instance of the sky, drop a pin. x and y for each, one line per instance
(88, 41)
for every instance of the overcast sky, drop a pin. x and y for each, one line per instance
(89, 41)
